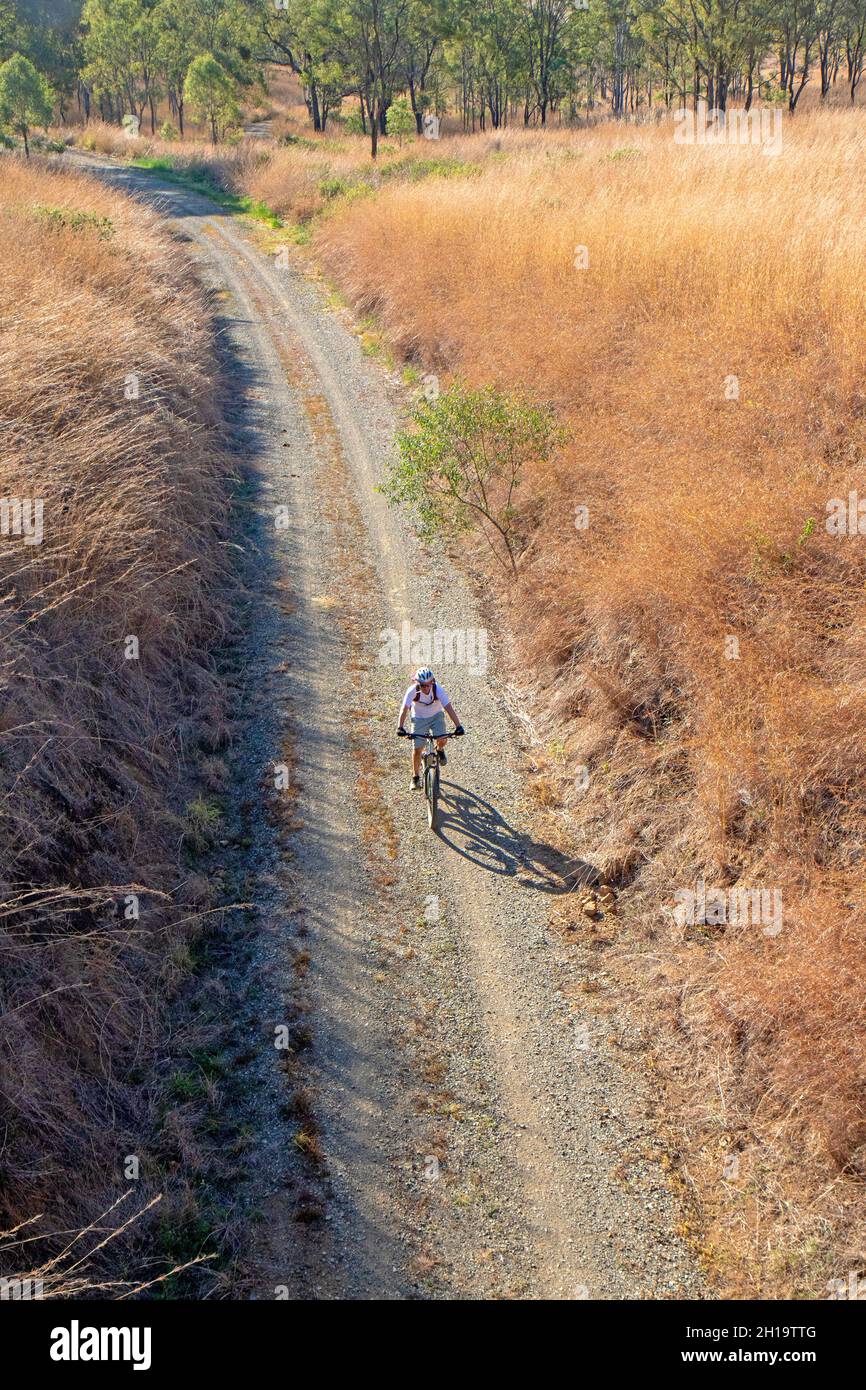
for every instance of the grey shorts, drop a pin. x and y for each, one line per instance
(431, 723)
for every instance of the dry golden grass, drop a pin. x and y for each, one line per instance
(707, 520)
(299, 175)
(96, 750)
(76, 1270)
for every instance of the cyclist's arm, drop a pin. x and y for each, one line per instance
(452, 714)
(404, 711)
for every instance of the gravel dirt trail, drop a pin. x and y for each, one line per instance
(484, 1132)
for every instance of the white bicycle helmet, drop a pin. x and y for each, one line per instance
(423, 674)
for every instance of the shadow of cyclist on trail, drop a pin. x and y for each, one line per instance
(477, 831)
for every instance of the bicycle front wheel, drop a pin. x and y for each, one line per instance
(431, 787)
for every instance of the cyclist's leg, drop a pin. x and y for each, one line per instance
(418, 744)
(437, 727)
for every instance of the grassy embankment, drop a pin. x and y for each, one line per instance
(111, 421)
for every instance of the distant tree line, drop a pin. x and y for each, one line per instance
(492, 62)
(497, 62)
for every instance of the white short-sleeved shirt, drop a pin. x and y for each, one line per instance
(433, 702)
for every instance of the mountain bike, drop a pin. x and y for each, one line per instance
(430, 772)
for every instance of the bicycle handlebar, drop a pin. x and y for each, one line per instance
(408, 733)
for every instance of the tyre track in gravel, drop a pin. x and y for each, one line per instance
(456, 1037)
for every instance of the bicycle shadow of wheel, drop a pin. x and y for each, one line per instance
(477, 831)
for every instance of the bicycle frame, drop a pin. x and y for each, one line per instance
(430, 774)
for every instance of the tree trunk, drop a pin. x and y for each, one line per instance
(413, 101)
(314, 105)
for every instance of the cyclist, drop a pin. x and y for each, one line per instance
(428, 704)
